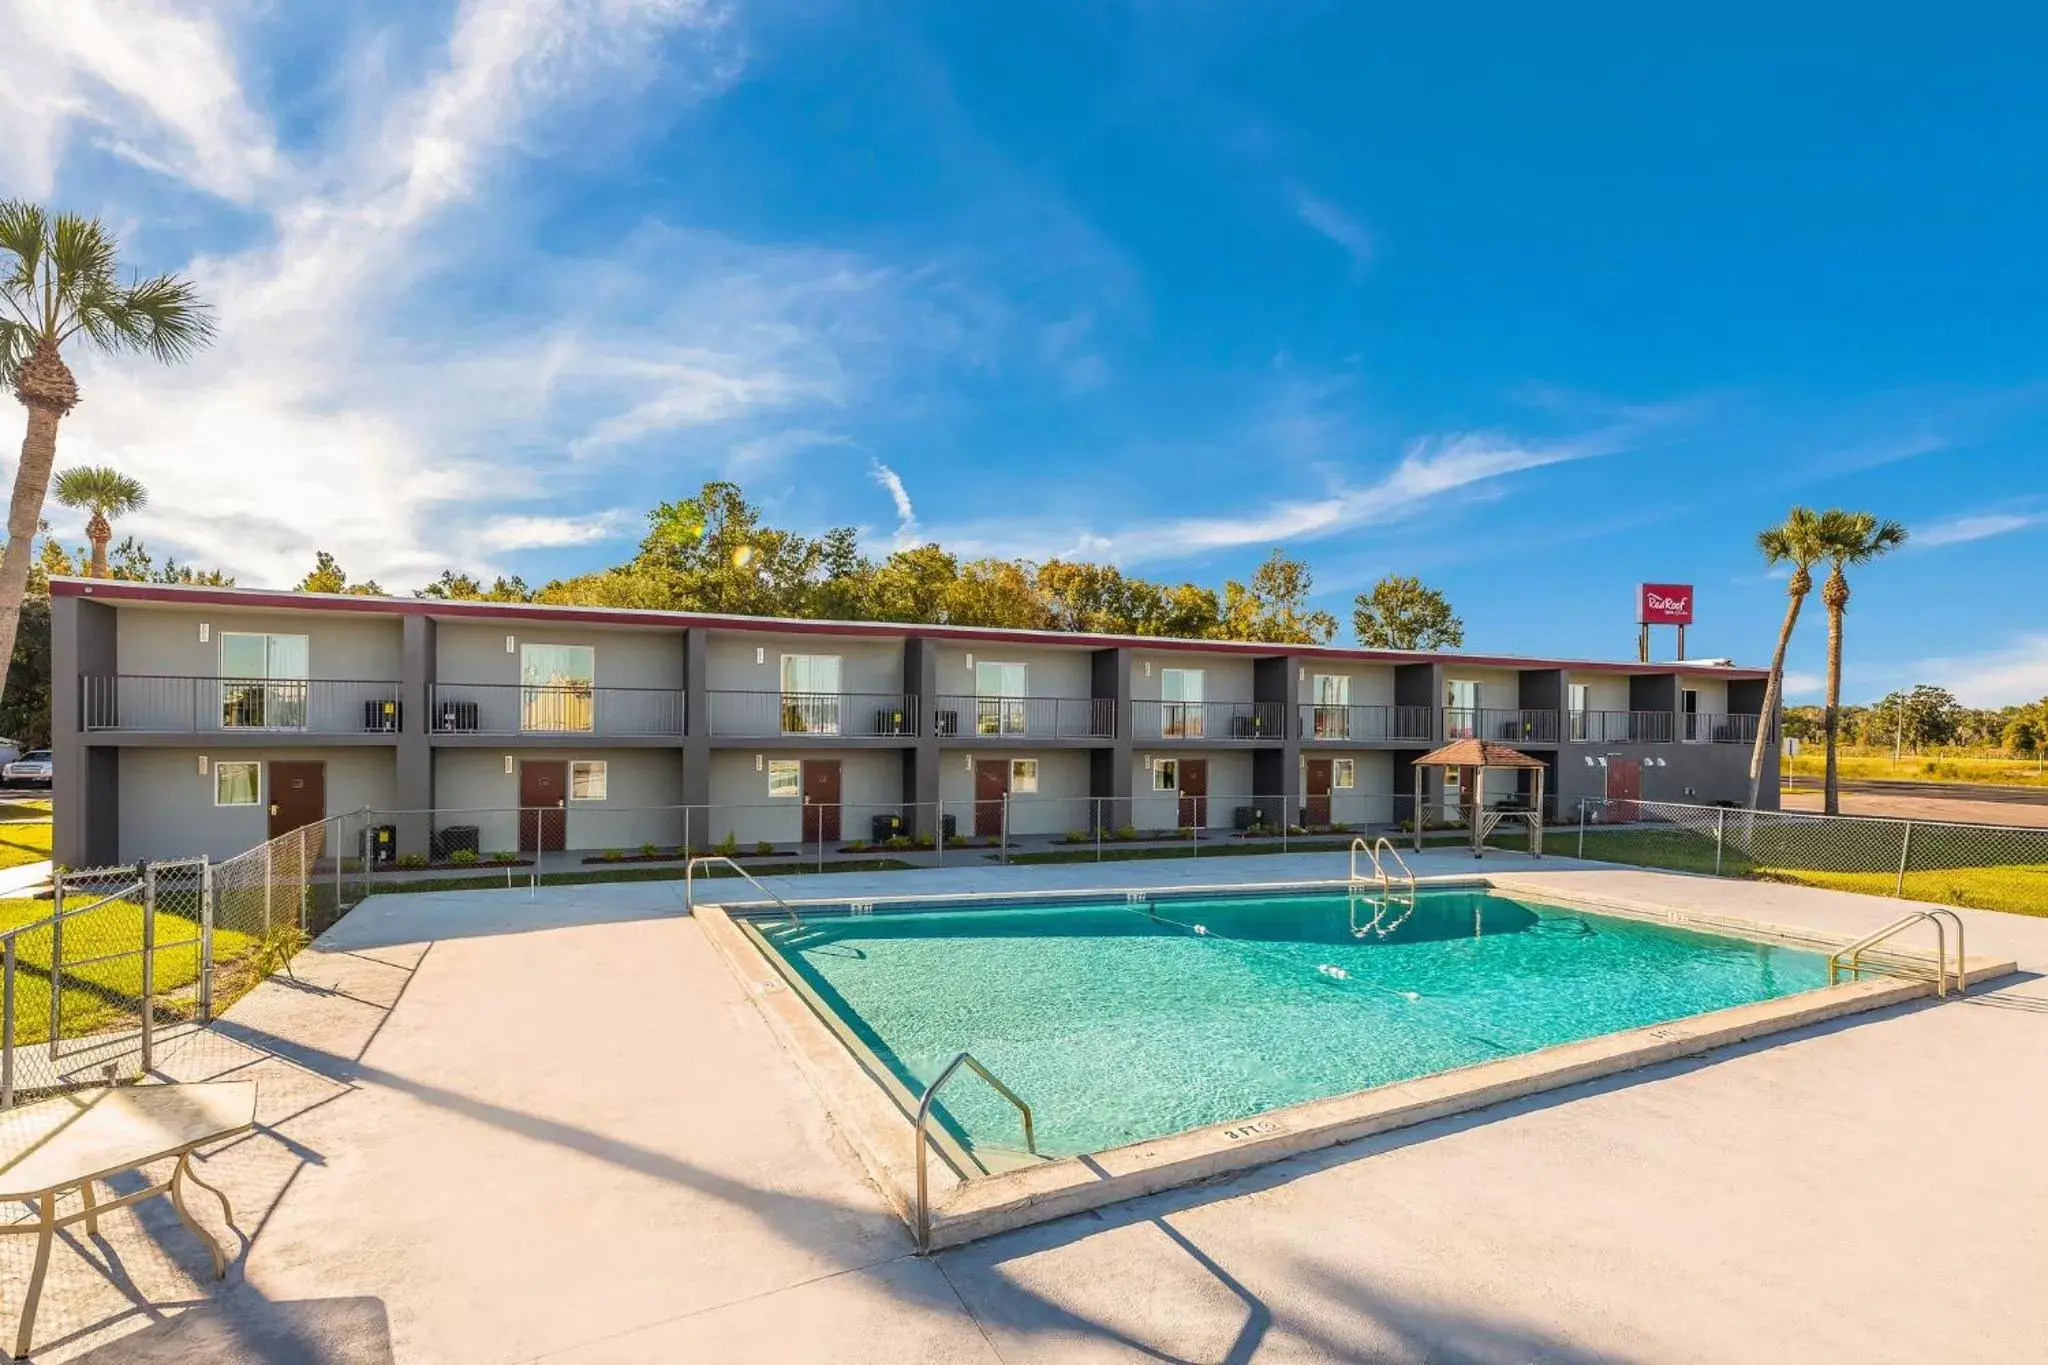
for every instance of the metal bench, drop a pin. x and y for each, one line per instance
(49, 1149)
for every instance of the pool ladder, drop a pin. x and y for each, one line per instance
(1379, 868)
(1854, 952)
(690, 876)
(924, 1114)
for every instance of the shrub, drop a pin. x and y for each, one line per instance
(463, 857)
(504, 855)
(648, 850)
(412, 860)
(764, 849)
(1184, 832)
(897, 842)
(1125, 833)
(924, 841)
(728, 847)
(1076, 836)
(612, 855)
(857, 846)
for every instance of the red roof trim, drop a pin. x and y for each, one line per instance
(271, 599)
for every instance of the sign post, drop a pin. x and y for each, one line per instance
(1662, 604)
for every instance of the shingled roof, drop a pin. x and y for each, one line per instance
(1477, 753)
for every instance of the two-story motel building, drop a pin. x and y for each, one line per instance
(205, 720)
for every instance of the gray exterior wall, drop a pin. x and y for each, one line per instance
(164, 642)
(1371, 799)
(1225, 677)
(865, 664)
(1061, 803)
(1371, 684)
(471, 653)
(1049, 672)
(167, 806)
(1230, 786)
(870, 784)
(642, 805)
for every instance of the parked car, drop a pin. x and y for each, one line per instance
(32, 769)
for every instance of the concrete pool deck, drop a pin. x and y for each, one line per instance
(497, 1128)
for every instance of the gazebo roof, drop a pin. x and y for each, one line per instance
(1477, 753)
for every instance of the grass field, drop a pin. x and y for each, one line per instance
(24, 832)
(1948, 869)
(1876, 765)
(102, 995)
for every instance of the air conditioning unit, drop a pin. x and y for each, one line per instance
(457, 716)
(381, 716)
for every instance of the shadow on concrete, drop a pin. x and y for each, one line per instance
(241, 1327)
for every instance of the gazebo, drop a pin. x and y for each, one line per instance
(1473, 758)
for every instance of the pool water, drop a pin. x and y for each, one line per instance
(1119, 1022)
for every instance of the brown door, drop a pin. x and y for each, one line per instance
(1194, 793)
(298, 796)
(821, 800)
(1624, 789)
(543, 805)
(991, 785)
(1316, 811)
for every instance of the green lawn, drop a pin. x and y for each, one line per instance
(23, 838)
(105, 995)
(1949, 866)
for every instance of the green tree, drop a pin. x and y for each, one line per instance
(1405, 613)
(1274, 607)
(105, 492)
(329, 577)
(60, 283)
(1850, 539)
(461, 587)
(2022, 736)
(1795, 541)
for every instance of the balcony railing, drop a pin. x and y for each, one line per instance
(1209, 721)
(516, 709)
(150, 704)
(1703, 728)
(1000, 718)
(1508, 726)
(1618, 727)
(1327, 724)
(845, 715)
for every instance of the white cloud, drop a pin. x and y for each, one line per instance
(1961, 530)
(906, 515)
(2014, 674)
(1322, 216)
(551, 533)
(1429, 473)
(765, 452)
(1798, 684)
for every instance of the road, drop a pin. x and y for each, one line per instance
(1947, 802)
(1953, 791)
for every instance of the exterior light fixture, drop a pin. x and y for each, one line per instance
(970, 663)
(970, 761)
(760, 657)
(202, 765)
(508, 765)
(511, 645)
(205, 631)
(757, 760)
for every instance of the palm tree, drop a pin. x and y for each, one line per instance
(59, 282)
(106, 492)
(1795, 541)
(1849, 538)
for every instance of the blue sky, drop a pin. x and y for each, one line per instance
(1532, 304)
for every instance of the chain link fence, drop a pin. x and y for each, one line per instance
(130, 961)
(1986, 867)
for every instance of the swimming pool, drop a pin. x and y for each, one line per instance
(1129, 1019)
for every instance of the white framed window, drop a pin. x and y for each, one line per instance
(999, 691)
(263, 681)
(237, 784)
(810, 694)
(785, 777)
(1023, 774)
(1180, 703)
(1166, 775)
(1332, 714)
(557, 687)
(1343, 774)
(589, 778)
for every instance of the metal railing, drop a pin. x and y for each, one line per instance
(147, 704)
(1209, 721)
(1005, 718)
(1379, 868)
(1855, 951)
(1508, 725)
(1330, 724)
(690, 879)
(1618, 727)
(846, 715)
(1717, 728)
(924, 1112)
(518, 709)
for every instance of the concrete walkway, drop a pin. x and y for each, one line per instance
(503, 1129)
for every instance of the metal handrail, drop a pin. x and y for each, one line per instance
(1384, 842)
(924, 1110)
(690, 876)
(1371, 851)
(1934, 916)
